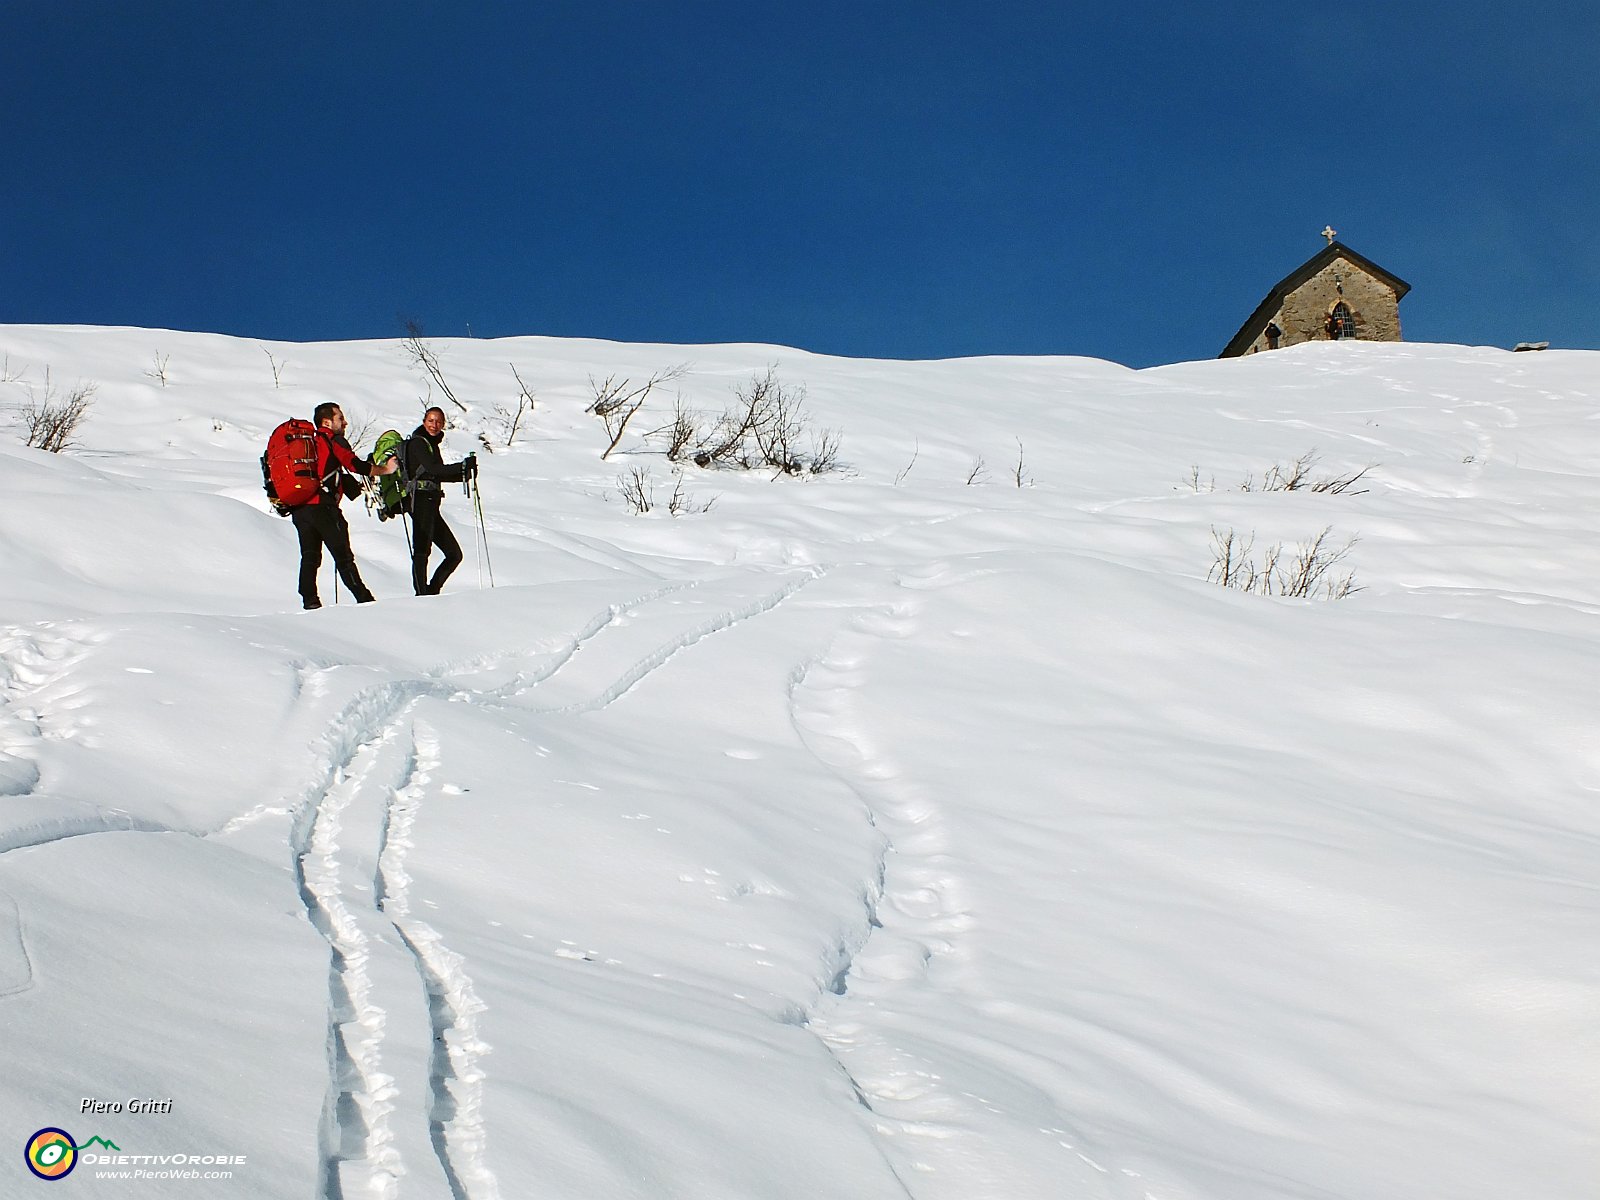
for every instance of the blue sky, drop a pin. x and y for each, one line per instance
(906, 180)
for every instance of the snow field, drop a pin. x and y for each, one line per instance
(868, 835)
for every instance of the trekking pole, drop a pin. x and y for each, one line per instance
(477, 545)
(483, 530)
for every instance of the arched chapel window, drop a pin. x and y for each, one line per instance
(1341, 323)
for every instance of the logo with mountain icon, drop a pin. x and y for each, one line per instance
(52, 1153)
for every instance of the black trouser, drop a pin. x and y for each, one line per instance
(427, 531)
(323, 525)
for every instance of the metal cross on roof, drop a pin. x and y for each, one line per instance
(1329, 232)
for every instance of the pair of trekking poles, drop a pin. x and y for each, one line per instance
(469, 487)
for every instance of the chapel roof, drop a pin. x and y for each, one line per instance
(1251, 329)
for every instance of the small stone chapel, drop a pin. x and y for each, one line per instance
(1334, 295)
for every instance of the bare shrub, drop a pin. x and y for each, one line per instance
(916, 449)
(1342, 483)
(506, 421)
(159, 371)
(637, 491)
(51, 420)
(777, 421)
(724, 445)
(824, 452)
(1229, 558)
(1019, 473)
(763, 427)
(360, 427)
(1297, 477)
(1309, 573)
(8, 374)
(618, 401)
(682, 432)
(277, 367)
(681, 502)
(615, 394)
(615, 410)
(979, 472)
(1195, 484)
(420, 356)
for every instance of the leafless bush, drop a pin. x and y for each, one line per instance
(1230, 560)
(637, 491)
(616, 411)
(681, 502)
(618, 401)
(1195, 484)
(1297, 477)
(525, 394)
(763, 427)
(725, 444)
(777, 419)
(359, 428)
(1342, 483)
(1309, 573)
(277, 367)
(613, 394)
(421, 357)
(51, 420)
(681, 433)
(8, 374)
(159, 371)
(824, 452)
(507, 420)
(1019, 473)
(979, 472)
(916, 449)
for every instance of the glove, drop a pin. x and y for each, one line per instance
(469, 467)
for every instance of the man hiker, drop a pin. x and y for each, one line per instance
(319, 521)
(428, 473)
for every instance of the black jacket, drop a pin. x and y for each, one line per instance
(425, 467)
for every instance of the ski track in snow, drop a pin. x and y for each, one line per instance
(358, 913)
(360, 1148)
(33, 660)
(915, 916)
(668, 650)
(16, 965)
(914, 910)
(364, 1141)
(455, 1073)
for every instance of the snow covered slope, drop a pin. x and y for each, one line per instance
(899, 831)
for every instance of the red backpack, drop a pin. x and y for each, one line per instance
(289, 467)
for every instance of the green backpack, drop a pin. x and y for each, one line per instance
(394, 491)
